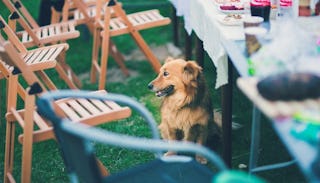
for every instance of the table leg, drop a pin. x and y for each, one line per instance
(255, 139)
(175, 24)
(188, 46)
(226, 103)
(199, 52)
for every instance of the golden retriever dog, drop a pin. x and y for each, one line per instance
(186, 109)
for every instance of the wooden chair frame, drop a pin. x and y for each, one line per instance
(35, 35)
(84, 12)
(36, 129)
(119, 23)
(42, 54)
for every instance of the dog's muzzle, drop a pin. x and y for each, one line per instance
(160, 93)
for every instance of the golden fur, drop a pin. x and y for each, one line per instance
(186, 109)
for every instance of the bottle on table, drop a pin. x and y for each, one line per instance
(261, 8)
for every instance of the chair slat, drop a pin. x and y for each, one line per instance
(25, 37)
(57, 29)
(40, 56)
(112, 105)
(26, 56)
(51, 30)
(40, 122)
(33, 57)
(68, 112)
(57, 51)
(18, 117)
(49, 53)
(93, 110)
(101, 105)
(78, 108)
(45, 33)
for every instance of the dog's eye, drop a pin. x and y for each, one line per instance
(165, 73)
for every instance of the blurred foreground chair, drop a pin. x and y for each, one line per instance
(116, 22)
(77, 141)
(35, 35)
(35, 128)
(43, 54)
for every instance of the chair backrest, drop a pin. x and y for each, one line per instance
(22, 15)
(10, 56)
(33, 34)
(80, 12)
(11, 35)
(76, 139)
(26, 18)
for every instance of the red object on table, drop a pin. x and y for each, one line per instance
(261, 8)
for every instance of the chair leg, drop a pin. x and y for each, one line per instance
(104, 60)
(45, 78)
(9, 151)
(73, 77)
(26, 166)
(62, 73)
(95, 55)
(147, 51)
(139, 40)
(104, 171)
(55, 16)
(114, 52)
(12, 93)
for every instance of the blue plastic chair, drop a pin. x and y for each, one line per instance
(75, 141)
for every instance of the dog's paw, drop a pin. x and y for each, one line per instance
(169, 153)
(201, 159)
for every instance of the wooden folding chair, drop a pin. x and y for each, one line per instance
(80, 12)
(52, 52)
(119, 23)
(83, 12)
(36, 129)
(34, 35)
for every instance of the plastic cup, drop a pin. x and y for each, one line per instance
(253, 36)
(252, 21)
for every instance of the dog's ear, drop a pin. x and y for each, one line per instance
(168, 59)
(191, 71)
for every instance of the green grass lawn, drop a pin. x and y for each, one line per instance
(47, 163)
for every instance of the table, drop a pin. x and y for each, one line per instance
(225, 46)
(304, 152)
(198, 23)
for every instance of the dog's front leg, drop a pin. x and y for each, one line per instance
(198, 134)
(167, 134)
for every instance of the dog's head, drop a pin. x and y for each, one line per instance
(175, 76)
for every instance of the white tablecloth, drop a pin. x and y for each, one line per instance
(200, 16)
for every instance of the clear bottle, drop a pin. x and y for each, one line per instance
(285, 9)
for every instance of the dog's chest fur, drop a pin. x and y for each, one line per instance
(178, 114)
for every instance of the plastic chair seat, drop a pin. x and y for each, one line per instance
(166, 169)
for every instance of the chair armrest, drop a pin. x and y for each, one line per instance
(140, 143)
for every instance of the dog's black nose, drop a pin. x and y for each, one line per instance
(150, 86)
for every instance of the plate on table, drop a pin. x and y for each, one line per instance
(231, 6)
(231, 19)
